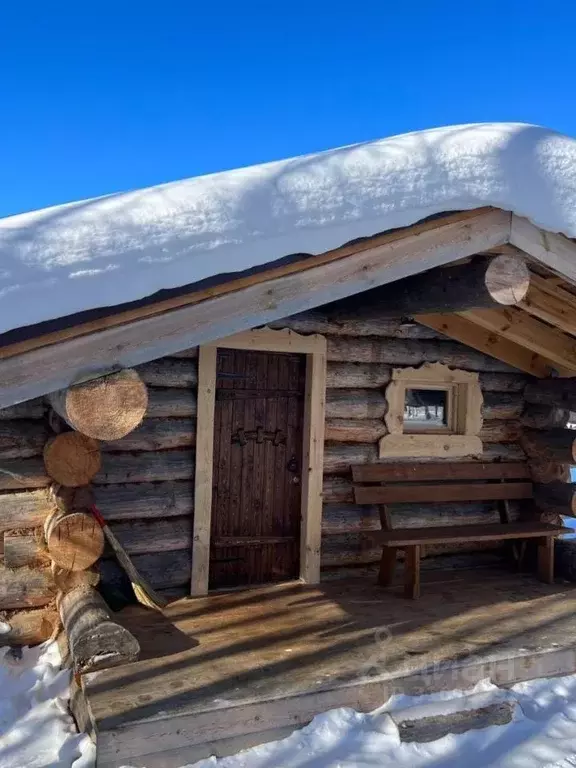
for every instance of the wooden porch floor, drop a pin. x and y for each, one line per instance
(244, 662)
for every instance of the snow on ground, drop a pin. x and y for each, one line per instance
(542, 735)
(122, 247)
(36, 730)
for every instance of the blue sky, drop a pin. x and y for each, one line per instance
(118, 95)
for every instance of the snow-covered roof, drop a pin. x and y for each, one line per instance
(123, 247)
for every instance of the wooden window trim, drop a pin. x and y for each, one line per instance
(264, 340)
(465, 414)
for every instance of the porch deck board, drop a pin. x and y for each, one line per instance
(271, 657)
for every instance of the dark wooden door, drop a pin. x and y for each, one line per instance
(255, 534)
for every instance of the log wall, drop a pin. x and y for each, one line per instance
(362, 351)
(144, 488)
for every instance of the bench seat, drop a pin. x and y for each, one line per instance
(441, 483)
(404, 537)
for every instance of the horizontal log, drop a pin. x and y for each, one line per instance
(26, 509)
(357, 375)
(162, 570)
(24, 549)
(31, 627)
(354, 430)
(191, 352)
(72, 459)
(171, 403)
(30, 409)
(412, 353)
(18, 474)
(145, 500)
(349, 518)
(547, 417)
(22, 439)
(552, 445)
(371, 430)
(25, 587)
(548, 472)
(169, 372)
(145, 467)
(329, 320)
(355, 404)
(156, 435)
(74, 539)
(339, 456)
(501, 405)
(344, 375)
(145, 536)
(556, 392)
(337, 490)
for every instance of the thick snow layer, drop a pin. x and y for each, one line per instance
(119, 248)
(542, 735)
(36, 730)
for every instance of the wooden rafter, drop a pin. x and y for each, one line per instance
(521, 328)
(463, 330)
(548, 301)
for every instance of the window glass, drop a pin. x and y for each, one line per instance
(426, 409)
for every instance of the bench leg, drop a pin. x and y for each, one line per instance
(546, 560)
(412, 572)
(387, 566)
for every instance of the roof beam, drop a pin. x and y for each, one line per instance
(548, 301)
(528, 332)
(319, 281)
(463, 330)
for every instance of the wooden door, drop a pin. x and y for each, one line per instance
(256, 502)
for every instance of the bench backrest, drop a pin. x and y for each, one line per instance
(440, 482)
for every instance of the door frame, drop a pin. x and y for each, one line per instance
(263, 340)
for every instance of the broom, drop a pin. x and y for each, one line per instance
(143, 591)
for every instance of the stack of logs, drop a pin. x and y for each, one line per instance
(549, 439)
(52, 564)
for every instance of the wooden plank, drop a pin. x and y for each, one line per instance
(465, 533)
(94, 354)
(412, 572)
(312, 465)
(530, 333)
(374, 473)
(204, 468)
(270, 340)
(546, 560)
(460, 328)
(391, 494)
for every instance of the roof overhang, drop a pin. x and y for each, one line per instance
(129, 337)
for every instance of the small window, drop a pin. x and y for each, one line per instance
(433, 411)
(426, 410)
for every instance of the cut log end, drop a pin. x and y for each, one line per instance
(108, 408)
(74, 540)
(72, 459)
(507, 279)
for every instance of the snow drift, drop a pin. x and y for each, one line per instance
(123, 247)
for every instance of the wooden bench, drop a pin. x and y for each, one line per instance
(384, 484)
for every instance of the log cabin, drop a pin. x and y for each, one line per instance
(317, 428)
